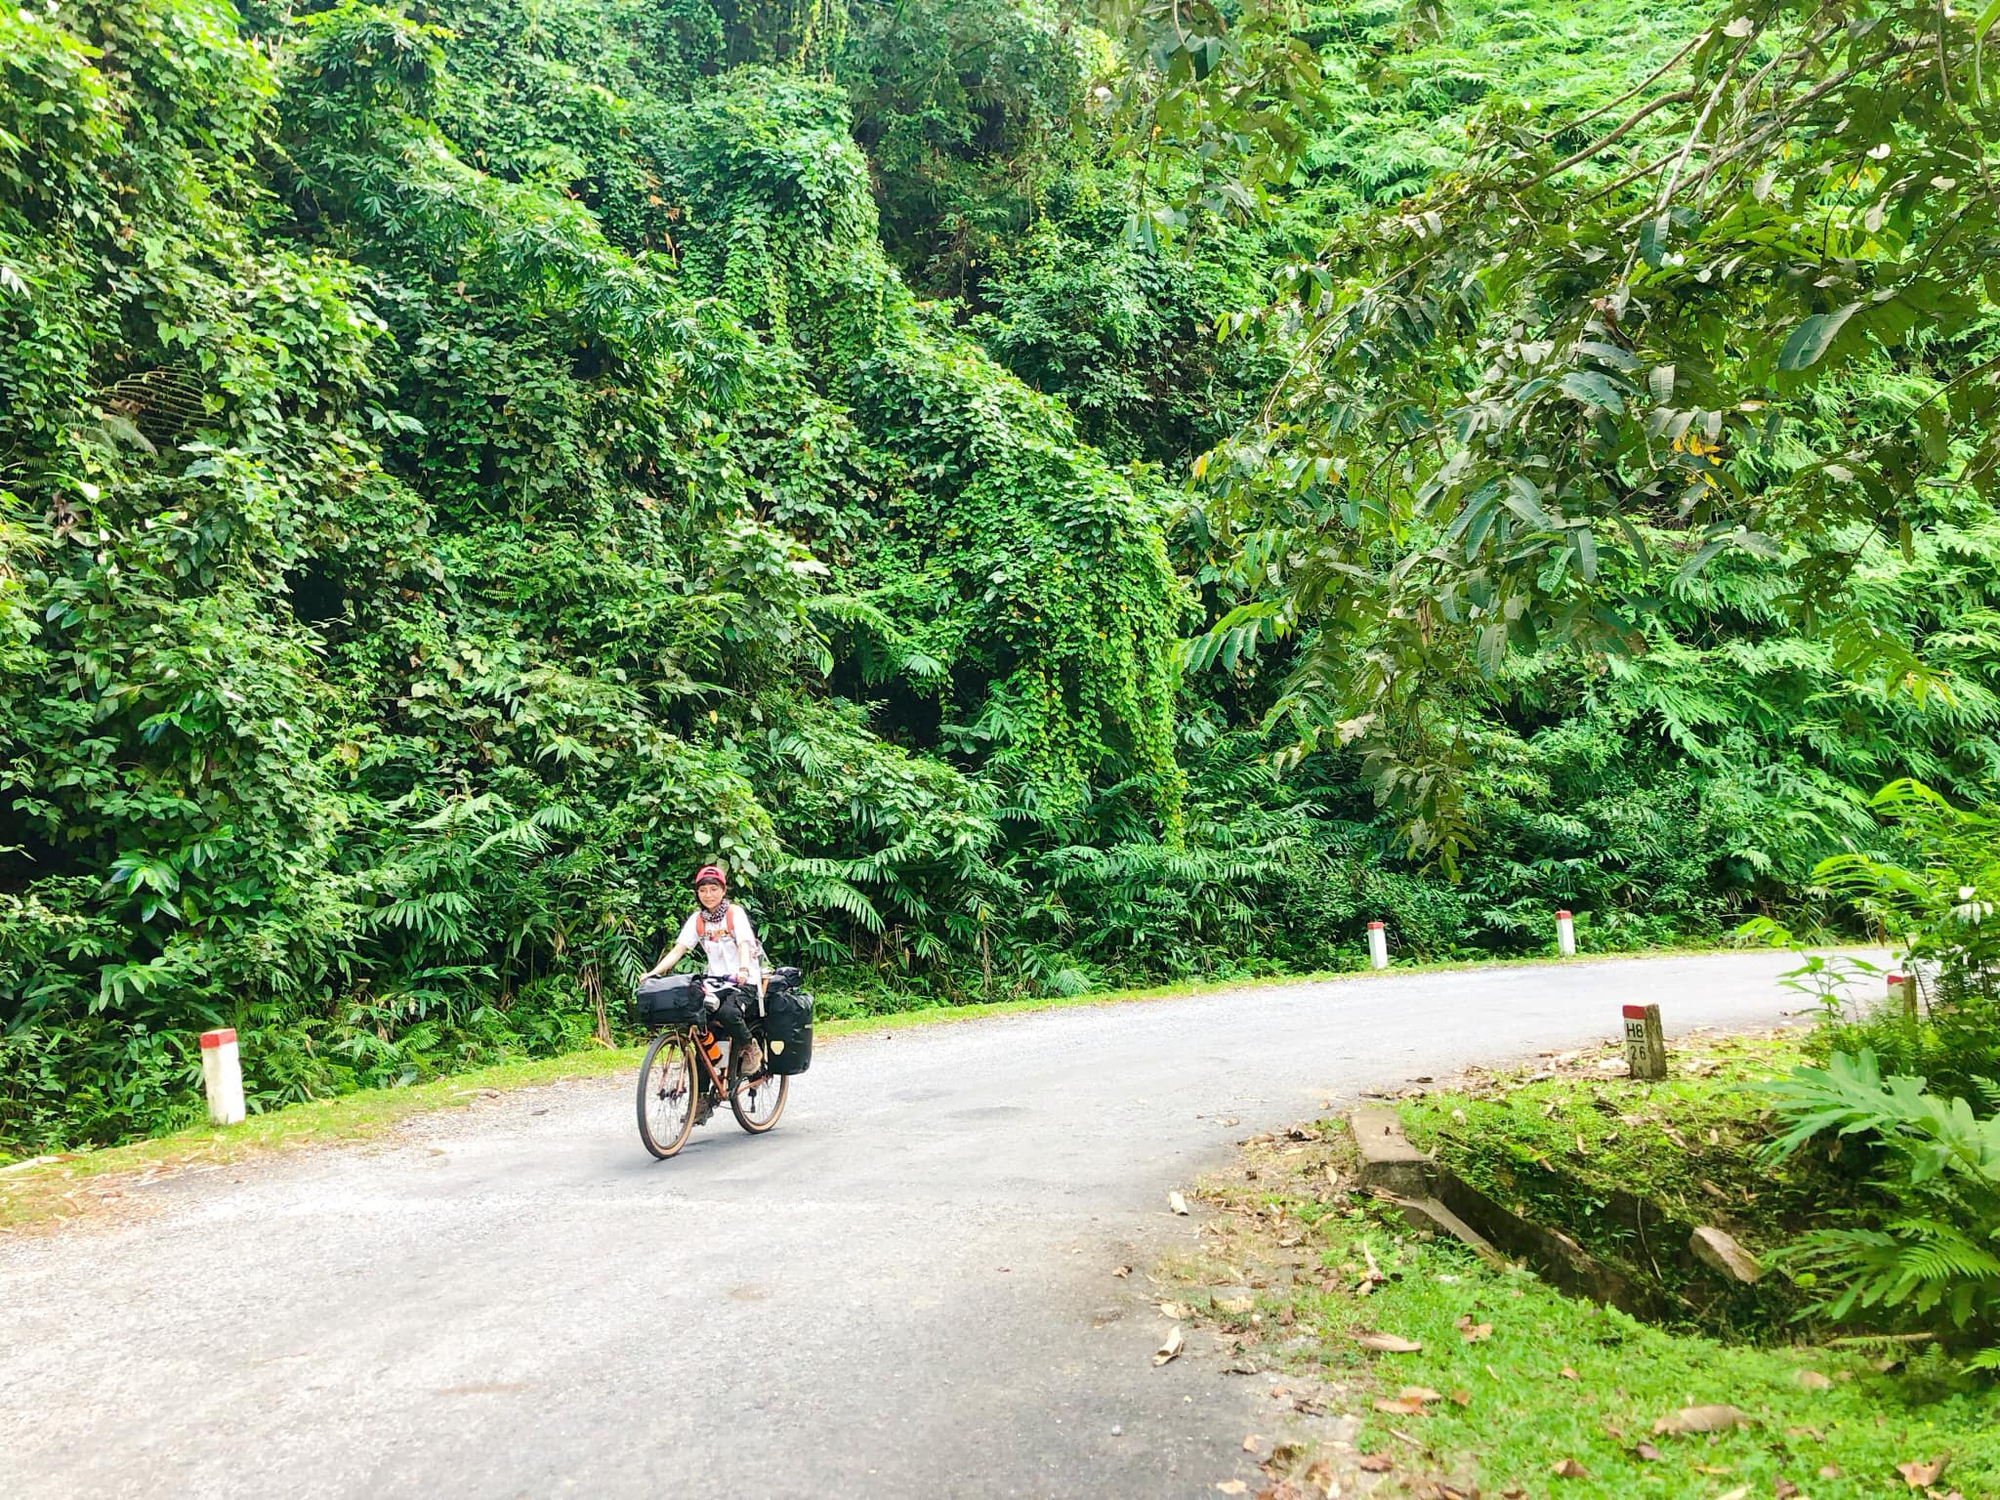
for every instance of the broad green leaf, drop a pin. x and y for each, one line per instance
(1593, 389)
(1653, 241)
(1525, 501)
(1808, 342)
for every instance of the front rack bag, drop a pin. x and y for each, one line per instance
(668, 1000)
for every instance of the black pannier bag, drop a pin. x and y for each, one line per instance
(668, 1000)
(788, 1030)
(786, 978)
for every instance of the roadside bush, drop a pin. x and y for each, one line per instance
(1939, 1161)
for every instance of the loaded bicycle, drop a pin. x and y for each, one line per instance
(688, 1068)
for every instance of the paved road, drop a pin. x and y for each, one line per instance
(905, 1290)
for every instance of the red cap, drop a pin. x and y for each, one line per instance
(711, 872)
(218, 1038)
(1562, 916)
(1374, 926)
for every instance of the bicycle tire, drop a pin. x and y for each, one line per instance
(676, 1046)
(752, 1118)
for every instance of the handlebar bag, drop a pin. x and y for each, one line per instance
(668, 1000)
(788, 1030)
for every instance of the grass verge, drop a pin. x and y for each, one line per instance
(1629, 1168)
(1510, 1389)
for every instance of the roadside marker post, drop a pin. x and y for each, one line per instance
(222, 1077)
(1378, 946)
(1903, 989)
(1565, 935)
(1645, 1042)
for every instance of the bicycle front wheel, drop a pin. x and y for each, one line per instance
(668, 1090)
(756, 1102)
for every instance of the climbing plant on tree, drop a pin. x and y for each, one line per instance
(1013, 558)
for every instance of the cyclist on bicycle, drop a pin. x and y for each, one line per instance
(735, 958)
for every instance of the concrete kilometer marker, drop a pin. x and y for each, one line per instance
(222, 1077)
(1378, 946)
(1645, 1042)
(1565, 935)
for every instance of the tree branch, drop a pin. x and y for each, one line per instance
(1681, 96)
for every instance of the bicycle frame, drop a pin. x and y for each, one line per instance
(701, 1036)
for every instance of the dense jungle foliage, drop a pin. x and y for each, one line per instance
(462, 465)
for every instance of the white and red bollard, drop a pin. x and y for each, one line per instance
(1903, 992)
(1378, 946)
(1565, 935)
(222, 1077)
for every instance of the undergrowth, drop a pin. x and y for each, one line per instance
(1628, 1168)
(1517, 1390)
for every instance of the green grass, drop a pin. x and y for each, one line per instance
(1562, 1379)
(1573, 1151)
(1556, 1379)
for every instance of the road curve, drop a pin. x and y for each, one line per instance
(905, 1290)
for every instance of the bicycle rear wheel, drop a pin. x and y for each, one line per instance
(756, 1102)
(668, 1091)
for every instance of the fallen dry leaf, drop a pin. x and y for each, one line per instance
(1738, 1493)
(1179, 1311)
(1235, 1304)
(1646, 1452)
(1171, 1349)
(1474, 1333)
(1713, 1468)
(1567, 1373)
(1702, 1419)
(1569, 1468)
(1829, 1471)
(1232, 1487)
(1250, 1442)
(1121, 1271)
(1812, 1380)
(1377, 1463)
(1419, 1393)
(1812, 1432)
(1399, 1408)
(1918, 1474)
(1461, 1397)
(1387, 1343)
(1177, 1203)
(1784, 1489)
